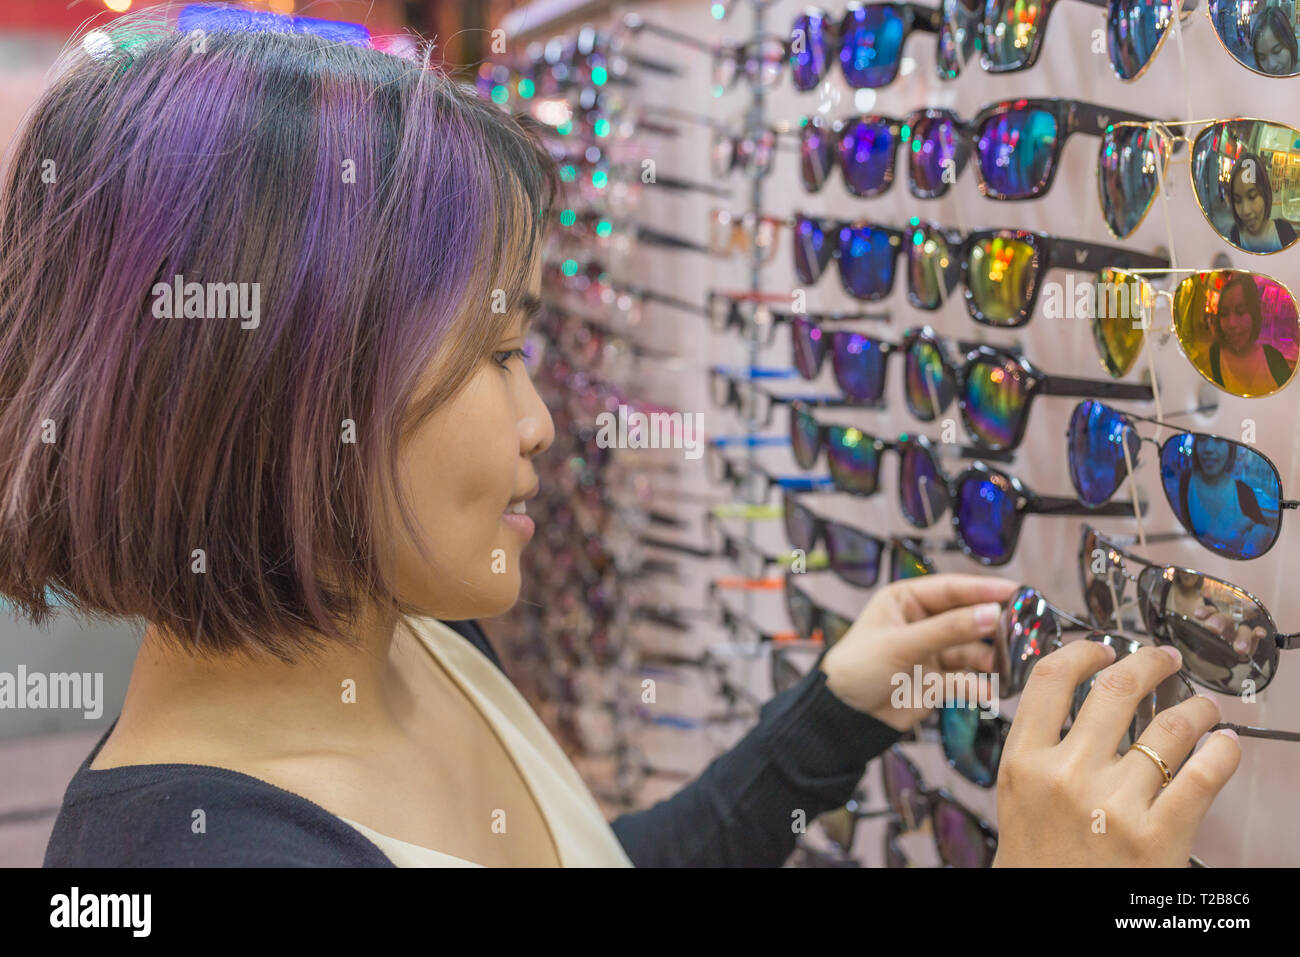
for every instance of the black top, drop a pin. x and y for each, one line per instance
(807, 752)
(1285, 234)
(1278, 367)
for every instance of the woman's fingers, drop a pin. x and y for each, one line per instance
(1184, 803)
(930, 637)
(929, 595)
(973, 656)
(1172, 734)
(1108, 710)
(1045, 702)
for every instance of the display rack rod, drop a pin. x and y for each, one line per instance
(754, 124)
(540, 16)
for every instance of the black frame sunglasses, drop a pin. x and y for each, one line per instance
(1024, 501)
(1010, 370)
(822, 151)
(808, 76)
(726, 311)
(804, 528)
(810, 618)
(1069, 117)
(912, 806)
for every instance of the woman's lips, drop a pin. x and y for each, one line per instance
(517, 519)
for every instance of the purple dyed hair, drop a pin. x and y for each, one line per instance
(229, 165)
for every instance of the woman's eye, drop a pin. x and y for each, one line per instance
(503, 358)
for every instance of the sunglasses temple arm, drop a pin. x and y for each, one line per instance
(1091, 118)
(926, 19)
(971, 452)
(635, 24)
(1093, 257)
(1052, 505)
(1092, 388)
(1248, 732)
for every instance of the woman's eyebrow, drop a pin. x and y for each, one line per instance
(530, 305)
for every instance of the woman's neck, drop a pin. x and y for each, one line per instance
(187, 709)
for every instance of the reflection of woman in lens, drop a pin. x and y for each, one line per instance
(1215, 644)
(1272, 40)
(1239, 362)
(1218, 506)
(1251, 197)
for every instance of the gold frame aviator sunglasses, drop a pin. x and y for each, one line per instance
(1211, 309)
(1133, 163)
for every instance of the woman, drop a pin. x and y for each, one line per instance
(1239, 362)
(1273, 41)
(1218, 504)
(308, 514)
(1251, 196)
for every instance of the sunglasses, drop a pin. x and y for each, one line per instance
(813, 622)
(1261, 37)
(752, 153)
(1239, 329)
(743, 475)
(1226, 494)
(854, 555)
(1002, 269)
(989, 509)
(786, 673)
(738, 389)
(1239, 170)
(744, 631)
(865, 148)
(961, 838)
(761, 61)
(868, 42)
(1228, 639)
(861, 364)
(752, 560)
(854, 459)
(745, 311)
(748, 234)
(996, 389)
(973, 744)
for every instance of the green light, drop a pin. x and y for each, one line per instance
(570, 267)
(599, 76)
(599, 178)
(568, 217)
(601, 128)
(907, 132)
(604, 227)
(565, 128)
(718, 10)
(526, 88)
(500, 94)
(567, 173)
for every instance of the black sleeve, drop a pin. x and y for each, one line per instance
(807, 753)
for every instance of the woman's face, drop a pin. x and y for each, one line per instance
(468, 470)
(1236, 324)
(1212, 454)
(1248, 202)
(1272, 56)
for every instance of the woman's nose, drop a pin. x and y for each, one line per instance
(536, 427)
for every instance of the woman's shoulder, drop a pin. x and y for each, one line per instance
(189, 815)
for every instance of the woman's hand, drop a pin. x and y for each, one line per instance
(934, 621)
(1075, 802)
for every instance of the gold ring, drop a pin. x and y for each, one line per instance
(1160, 762)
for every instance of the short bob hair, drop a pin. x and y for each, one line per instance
(382, 209)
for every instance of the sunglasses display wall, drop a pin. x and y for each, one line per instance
(1063, 352)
